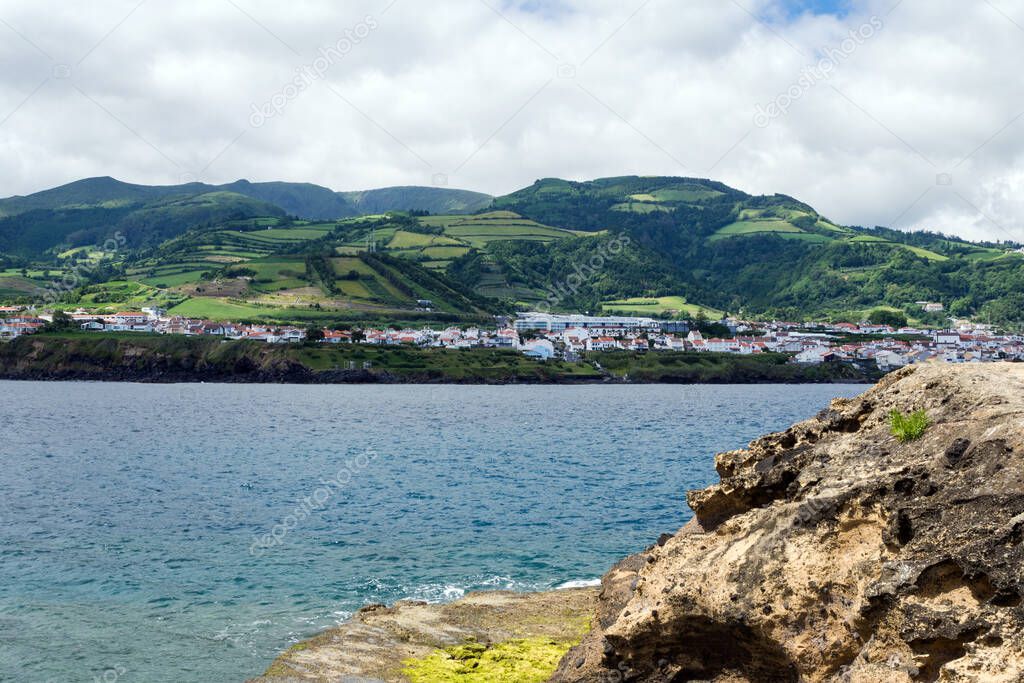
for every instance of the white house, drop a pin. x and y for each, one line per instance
(540, 348)
(813, 354)
(602, 344)
(889, 360)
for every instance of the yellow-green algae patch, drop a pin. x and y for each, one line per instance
(527, 660)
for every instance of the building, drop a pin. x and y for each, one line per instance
(602, 344)
(541, 348)
(547, 322)
(675, 327)
(337, 337)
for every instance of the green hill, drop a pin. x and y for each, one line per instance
(88, 211)
(774, 255)
(436, 200)
(298, 199)
(127, 220)
(661, 246)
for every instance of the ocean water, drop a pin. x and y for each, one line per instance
(189, 533)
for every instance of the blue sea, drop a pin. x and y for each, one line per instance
(189, 533)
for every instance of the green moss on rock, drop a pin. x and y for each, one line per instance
(528, 660)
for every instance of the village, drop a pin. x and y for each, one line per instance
(547, 336)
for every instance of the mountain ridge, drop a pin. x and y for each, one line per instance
(299, 199)
(663, 245)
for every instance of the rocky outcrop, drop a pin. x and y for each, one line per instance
(379, 643)
(835, 552)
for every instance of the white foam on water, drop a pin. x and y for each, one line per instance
(579, 583)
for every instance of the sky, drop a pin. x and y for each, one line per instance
(904, 113)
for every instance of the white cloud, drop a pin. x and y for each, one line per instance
(472, 89)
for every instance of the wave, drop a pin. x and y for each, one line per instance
(579, 583)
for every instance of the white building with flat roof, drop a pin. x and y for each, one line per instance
(548, 322)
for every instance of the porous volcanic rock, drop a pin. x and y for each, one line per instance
(834, 552)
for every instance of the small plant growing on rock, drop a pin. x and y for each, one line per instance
(908, 427)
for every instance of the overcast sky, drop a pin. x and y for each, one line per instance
(915, 121)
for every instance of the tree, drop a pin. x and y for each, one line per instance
(884, 316)
(314, 335)
(61, 322)
(962, 307)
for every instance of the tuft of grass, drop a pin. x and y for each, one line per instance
(908, 427)
(529, 660)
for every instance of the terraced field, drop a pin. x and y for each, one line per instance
(372, 287)
(459, 235)
(184, 261)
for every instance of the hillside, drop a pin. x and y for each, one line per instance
(436, 200)
(774, 255)
(122, 221)
(92, 209)
(656, 246)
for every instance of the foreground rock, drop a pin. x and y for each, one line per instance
(834, 552)
(376, 644)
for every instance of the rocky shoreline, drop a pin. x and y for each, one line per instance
(390, 644)
(832, 551)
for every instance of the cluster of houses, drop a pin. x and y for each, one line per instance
(548, 336)
(15, 322)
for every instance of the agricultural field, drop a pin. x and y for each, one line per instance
(174, 278)
(222, 309)
(647, 307)
(479, 231)
(755, 227)
(276, 273)
(13, 286)
(924, 253)
(457, 236)
(640, 207)
(414, 240)
(120, 294)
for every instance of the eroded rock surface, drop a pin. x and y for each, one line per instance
(834, 552)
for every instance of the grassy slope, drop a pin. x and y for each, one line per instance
(646, 307)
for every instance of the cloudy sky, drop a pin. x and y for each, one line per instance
(877, 112)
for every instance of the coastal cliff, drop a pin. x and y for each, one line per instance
(130, 357)
(833, 551)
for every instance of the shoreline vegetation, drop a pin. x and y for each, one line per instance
(128, 357)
